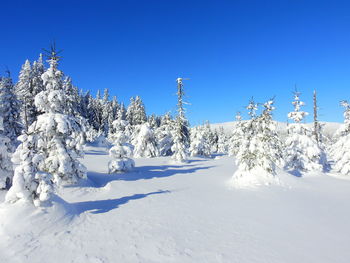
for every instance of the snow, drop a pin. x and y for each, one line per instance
(181, 213)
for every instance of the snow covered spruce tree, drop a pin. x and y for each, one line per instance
(122, 150)
(24, 93)
(302, 152)
(145, 143)
(9, 110)
(58, 137)
(181, 132)
(6, 171)
(340, 149)
(136, 113)
(260, 149)
(28, 86)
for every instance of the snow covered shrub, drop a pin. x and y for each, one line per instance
(145, 143)
(340, 150)
(121, 151)
(260, 149)
(302, 152)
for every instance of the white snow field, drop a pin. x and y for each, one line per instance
(164, 212)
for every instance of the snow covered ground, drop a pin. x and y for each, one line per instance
(163, 212)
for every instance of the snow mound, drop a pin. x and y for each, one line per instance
(253, 179)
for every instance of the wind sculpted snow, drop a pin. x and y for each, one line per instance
(164, 212)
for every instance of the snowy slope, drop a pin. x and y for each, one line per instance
(163, 212)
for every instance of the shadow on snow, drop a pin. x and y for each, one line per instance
(104, 206)
(141, 173)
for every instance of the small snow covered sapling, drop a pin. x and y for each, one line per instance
(260, 149)
(121, 151)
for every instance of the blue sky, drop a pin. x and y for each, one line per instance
(230, 50)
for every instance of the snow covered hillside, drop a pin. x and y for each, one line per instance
(164, 212)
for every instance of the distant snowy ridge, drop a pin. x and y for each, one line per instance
(328, 128)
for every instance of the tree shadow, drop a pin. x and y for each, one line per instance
(140, 173)
(295, 173)
(94, 152)
(104, 206)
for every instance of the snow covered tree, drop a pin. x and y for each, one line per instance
(260, 149)
(164, 135)
(113, 114)
(211, 138)
(95, 112)
(181, 133)
(6, 171)
(61, 135)
(9, 110)
(136, 113)
(145, 144)
(121, 151)
(72, 98)
(200, 144)
(24, 91)
(38, 69)
(222, 141)
(121, 114)
(297, 115)
(154, 121)
(340, 150)
(302, 152)
(28, 86)
(236, 136)
(106, 108)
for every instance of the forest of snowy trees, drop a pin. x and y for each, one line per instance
(45, 121)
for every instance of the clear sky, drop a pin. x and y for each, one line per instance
(230, 50)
